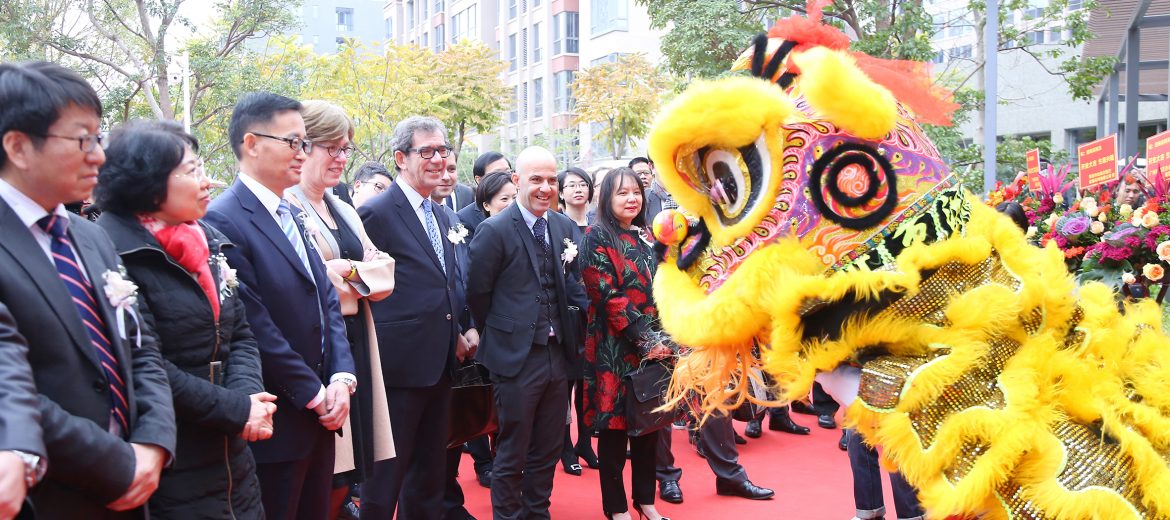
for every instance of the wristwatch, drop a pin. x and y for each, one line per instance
(34, 467)
(352, 384)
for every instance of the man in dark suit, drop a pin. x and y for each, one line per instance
(291, 304)
(460, 195)
(22, 451)
(657, 198)
(105, 404)
(527, 294)
(417, 326)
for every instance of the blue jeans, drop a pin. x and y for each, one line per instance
(867, 484)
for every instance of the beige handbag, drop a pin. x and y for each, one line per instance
(377, 282)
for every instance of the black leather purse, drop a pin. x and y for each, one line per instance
(646, 392)
(473, 405)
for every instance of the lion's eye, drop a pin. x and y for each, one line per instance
(732, 178)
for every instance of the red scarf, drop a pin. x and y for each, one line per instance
(187, 245)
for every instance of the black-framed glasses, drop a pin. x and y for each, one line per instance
(87, 143)
(379, 187)
(293, 142)
(194, 170)
(427, 152)
(336, 151)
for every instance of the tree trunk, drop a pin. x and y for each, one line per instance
(457, 146)
(980, 59)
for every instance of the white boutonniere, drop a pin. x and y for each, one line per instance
(457, 234)
(569, 253)
(227, 277)
(122, 295)
(310, 227)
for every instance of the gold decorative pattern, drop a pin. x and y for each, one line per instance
(882, 380)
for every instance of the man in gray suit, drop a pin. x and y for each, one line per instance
(105, 404)
(526, 292)
(22, 452)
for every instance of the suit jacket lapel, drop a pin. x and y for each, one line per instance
(19, 242)
(557, 246)
(267, 226)
(410, 220)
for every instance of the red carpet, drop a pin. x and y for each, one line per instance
(809, 474)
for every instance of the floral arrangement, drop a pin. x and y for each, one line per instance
(1117, 244)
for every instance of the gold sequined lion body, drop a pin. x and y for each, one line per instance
(827, 231)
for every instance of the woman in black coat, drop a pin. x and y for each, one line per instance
(152, 191)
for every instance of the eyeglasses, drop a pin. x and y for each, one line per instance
(87, 143)
(379, 187)
(337, 151)
(427, 152)
(196, 171)
(575, 185)
(293, 142)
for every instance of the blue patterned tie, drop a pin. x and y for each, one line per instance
(81, 290)
(538, 230)
(433, 233)
(293, 234)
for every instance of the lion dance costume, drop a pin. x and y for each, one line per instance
(827, 230)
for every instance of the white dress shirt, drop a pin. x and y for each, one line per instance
(415, 199)
(29, 212)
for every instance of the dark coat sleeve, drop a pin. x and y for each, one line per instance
(297, 382)
(20, 415)
(486, 257)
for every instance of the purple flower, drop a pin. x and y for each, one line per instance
(1075, 226)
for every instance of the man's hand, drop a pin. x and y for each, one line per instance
(472, 337)
(462, 349)
(148, 464)
(12, 488)
(336, 406)
(259, 425)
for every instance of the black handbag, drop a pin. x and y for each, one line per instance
(473, 405)
(645, 393)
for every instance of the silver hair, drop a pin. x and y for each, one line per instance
(404, 132)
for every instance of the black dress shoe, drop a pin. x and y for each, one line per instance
(804, 408)
(484, 478)
(752, 430)
(784, 424)
(826, 421)
(570, 465)
(743, 489)
(586, 454)
(843, 443)
(738, 438)
(669, 491)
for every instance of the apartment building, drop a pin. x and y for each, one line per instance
(325, 24)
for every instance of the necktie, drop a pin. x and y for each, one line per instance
(293, 234)
(81, 290)
(538, 230)
(433, 233)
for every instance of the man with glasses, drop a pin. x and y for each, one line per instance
(657, 198)
(371, 179)
(417, 326)
(103, 399)
(291, 306)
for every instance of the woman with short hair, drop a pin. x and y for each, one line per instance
(153, 191)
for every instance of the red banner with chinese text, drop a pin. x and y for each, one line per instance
(1098, 162)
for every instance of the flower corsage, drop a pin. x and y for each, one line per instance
(457, 234)
(122, 295)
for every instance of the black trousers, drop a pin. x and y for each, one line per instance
(531, 407)
(717, 440)
(611, 453)
(300, 488)
(453, 499)
(419, 417)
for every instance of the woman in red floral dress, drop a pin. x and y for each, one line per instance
(623, 330)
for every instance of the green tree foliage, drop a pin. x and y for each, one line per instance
(623, 95)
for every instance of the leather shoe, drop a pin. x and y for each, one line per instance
(743, 489)
(784, 424)
(484, 478)
(669, 491)
(752, 430)
(586, 454)
(826, 421)
(843, 443)
(738, 438)
(804, 408)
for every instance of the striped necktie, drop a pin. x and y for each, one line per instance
(293, 234)
(433, 233)
(81, 290)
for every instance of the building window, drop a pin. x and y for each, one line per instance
(940, 57)
(609, 15)
(524, 47)
(515, 102)
(536, 43)
(961, 52)
(438, 6)
(608, 58)
(524, 100)
(1034, 37)
(535, 3)
(344, 20)
(455, 20)
(562, 91)
(1055, 35)
(1075, 5)
(426, 41)
(389, 29)
(511, 52)
(565, 33)
(511, 9)
(538, 97)
(440, 41)
(410, 18)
